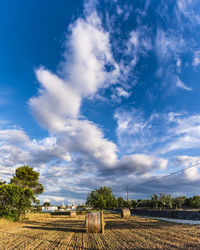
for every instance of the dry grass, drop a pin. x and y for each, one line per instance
(63, 232)
(38, 216)
(6, 223)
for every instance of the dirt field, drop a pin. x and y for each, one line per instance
(61, 232)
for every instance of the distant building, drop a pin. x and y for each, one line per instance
(50, 208)
(73, 207)
(62, 207)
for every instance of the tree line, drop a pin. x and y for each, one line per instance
(103, 198)
(17, 196)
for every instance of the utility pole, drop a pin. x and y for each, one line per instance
(127, 193)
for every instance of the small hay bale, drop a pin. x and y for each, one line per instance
(95, 222)
(125, 213)
(72, 214)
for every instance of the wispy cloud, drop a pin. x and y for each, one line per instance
(196, 59)
(160, 133)
(181, 85)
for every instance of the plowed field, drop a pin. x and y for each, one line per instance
(62, 232)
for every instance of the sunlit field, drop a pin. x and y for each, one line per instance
(63, 232)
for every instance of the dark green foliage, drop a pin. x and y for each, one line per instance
(81, 207)
(154, 201)
(26, 177)
(35, 209)
(134, 203)
(194, 202)
(163, 201)
(144, 203)
(178, 201)
(102, 198)
(128, 204)
(14, 201)
(121, 202)
(46, 204)
(16, 197)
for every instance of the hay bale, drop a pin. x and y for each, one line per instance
(73, 214)
(95, 222)
(125, 213)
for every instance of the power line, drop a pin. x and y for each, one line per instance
(173, 173)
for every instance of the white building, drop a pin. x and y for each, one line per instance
(50, 208)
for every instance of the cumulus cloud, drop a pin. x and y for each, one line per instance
(141, 163)
(88, 67)
(89, 64)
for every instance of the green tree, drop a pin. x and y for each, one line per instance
(154, 201)
(128, 204)
(25, 177)
(14, 201)
(134, 204)
(195, 201)
(102, 198)
(165, 200)
(178, 201)
(121, 202)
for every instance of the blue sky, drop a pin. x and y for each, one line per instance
(97, 93)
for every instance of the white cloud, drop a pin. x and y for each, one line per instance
(166, 45)
(84, 72)
(189, 9)
(160, 133)
(196, 59)
(169, 47)
(88, 53)
(131, 129)
(13, 136)
(77, 149)
(192, 174)
(185, 134)
(141, 163)
(119, 93)
(82, 136)
(178, 64)
(186, 160)
(133, 40)
(181, 85)
(122, 92)
(56, 101)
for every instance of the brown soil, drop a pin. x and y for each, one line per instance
(63, 232)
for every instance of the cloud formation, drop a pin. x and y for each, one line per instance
(117, 57)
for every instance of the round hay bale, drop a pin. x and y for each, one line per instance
(73, 214)
(94, 222)
(125, 213)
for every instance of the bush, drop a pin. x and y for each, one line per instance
(195, 201)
